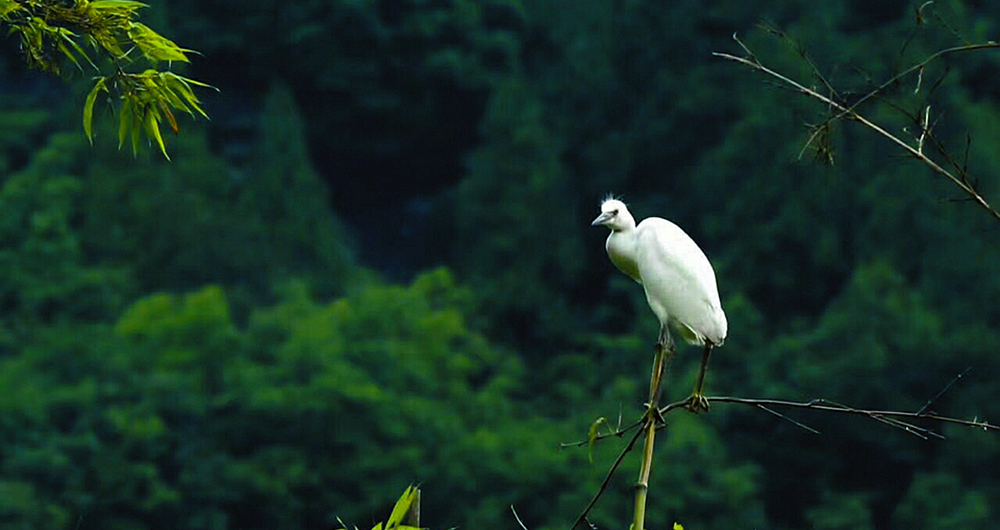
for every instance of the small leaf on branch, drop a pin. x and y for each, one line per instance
(402, 507)
(88, 107)
(7, 7)
(592, 436)
(152, 124)
(155, 46)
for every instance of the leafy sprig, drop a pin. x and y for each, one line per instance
(53, 32)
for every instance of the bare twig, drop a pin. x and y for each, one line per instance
(895, 418)
(850, 111)
(947, 387)
(786, 418)
(650, 422)
(607, 478)
(891, 417)
(616, 434)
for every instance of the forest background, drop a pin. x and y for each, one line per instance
(374, 267)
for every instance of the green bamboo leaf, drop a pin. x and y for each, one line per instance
(174, 99)
(88, 107)
(68, 37)
(592, 436)
(7, 7)
(125, 118)
(118, 5)
(152, 124)
(155, 46)
(65, 51)
(182, 87)
(135, 123)
(402, 507)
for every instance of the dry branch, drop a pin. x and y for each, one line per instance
(958, 176)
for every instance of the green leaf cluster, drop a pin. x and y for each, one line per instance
(400, 510)
(146, 101)
(52, 31)
(195, 345)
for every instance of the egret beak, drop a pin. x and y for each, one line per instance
(603, 218)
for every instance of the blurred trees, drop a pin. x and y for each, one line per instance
(205, 344)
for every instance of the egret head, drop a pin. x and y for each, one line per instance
(614, 215)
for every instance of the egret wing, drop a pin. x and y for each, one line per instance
(679, 281)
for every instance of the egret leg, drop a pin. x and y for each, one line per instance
(697, 402)
(664, 353)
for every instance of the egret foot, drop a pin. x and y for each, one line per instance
(653, 414)
(697, 403)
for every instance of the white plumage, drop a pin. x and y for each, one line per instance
(678, 279)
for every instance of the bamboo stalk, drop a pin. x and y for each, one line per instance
(663, 353)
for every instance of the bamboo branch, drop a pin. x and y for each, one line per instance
(820, 404)
(664, 353)
(652, 422)
(607, 478)
(894, 418)
(850, 111)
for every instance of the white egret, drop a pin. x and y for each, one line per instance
(678, 279)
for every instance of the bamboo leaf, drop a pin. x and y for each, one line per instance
(155, 46)
(125, 120)
(65, 51)
(121, 5)
(592, 436)
(7, 7)
(152, 123)
(68, 38)
(182, 87)
(170, 117)
(135, 125)
(88, 107)
(176, 101)
(401, 508)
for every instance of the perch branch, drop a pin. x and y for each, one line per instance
(607, 478)
(894, 418)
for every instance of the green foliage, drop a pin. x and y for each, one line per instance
(146, 100)
(51, 30)
(198, 220)
(400, 510)
(842, 512)
(519, 252)
(47, 278)
(194, 345)
(939, 500)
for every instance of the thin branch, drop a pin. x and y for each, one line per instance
(617, 434)
(850, 111)
(946, 388)
(607, 478)
(895, 418)
(786, 418)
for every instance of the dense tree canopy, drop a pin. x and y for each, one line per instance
(374, 267)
